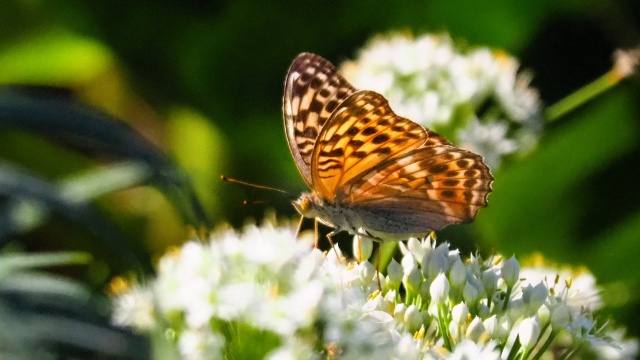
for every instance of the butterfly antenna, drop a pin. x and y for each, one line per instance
(232, 180)
(253, 202)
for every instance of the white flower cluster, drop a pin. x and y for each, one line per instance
(264, 294)
(476, 98)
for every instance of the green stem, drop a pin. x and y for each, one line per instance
(514, 348)
(444, 329)
(545, 346)
(569, 353)
(506, 298)
(581, 96)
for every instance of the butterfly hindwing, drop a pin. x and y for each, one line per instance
(313, 90)
(427, 188)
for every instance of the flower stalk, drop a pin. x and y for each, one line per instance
(625, 64)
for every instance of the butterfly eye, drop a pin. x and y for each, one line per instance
(305, 204)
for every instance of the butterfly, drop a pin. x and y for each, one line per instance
(371, 172)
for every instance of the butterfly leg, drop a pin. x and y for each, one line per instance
(316, 233)
(299, 226)
(329, 236)
(359, 257)
(378, 256)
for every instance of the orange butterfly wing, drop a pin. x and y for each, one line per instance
(313, 90)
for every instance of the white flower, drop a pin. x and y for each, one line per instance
(490, 140)
(135, 308)
(529, 332)
(412, 318)
(490, 281)
(200, 344)
(459, 313)
(535, 296)
(305, 300)
(468, 350)
(435, 262)
(427, 79)
(510, 271)
(291, 350)
(458, 273)
(413, 280)
(470, 293)
(476, 329)
(627, 348)
(394, 274)
(497, 329)
(577, 287)
(362, 248)
(560, 317)
(439, 289)
(419, 248)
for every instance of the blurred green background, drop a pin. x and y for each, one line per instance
(202, 81)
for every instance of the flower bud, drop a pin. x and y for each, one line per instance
(459, 313)
(498, 329)
(543, 314)
(489, 281)
(458, 274)
(475, 330)
(492, 326)
(408, 263)
(483, 310)
(437, 262)
(511, 271)
(470, 293)
(412, 318)
(535, 296)
(453, 330)
(366, 273)
(413, 281)
(516, 309)
(399, 311)
(394, 273)
(439, 289)
(529, 332)
(362, 248)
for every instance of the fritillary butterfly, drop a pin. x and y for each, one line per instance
(371, 172)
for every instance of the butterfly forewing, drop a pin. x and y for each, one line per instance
(362, 133)
(313, 90)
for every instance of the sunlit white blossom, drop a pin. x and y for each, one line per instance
(476, 95)
(304, 303)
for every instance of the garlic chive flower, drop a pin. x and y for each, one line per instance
(288, 300)
(476, 96)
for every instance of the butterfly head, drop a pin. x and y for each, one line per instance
(307, 205)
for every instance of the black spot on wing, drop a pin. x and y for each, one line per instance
(379, 139)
